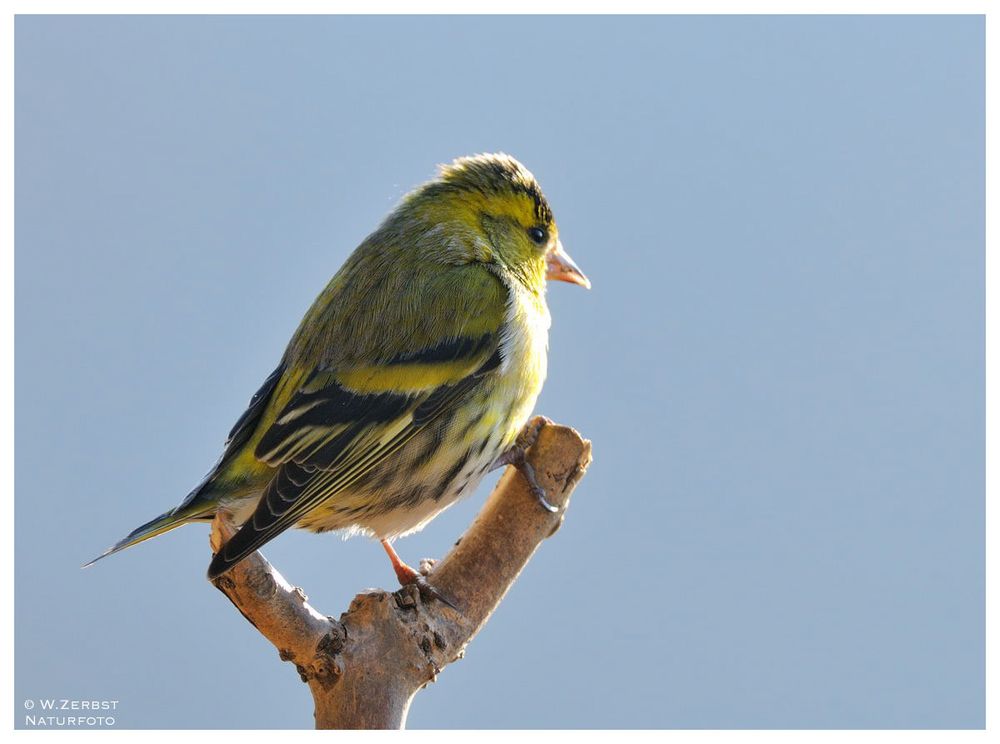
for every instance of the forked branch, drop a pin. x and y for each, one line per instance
(364, 669)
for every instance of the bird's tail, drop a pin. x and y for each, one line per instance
(164, 523)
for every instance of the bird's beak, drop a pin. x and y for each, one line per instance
(562, 268)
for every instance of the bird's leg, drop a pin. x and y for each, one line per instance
(408, 575)
(516, 456)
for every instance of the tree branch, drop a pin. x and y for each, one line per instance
(364, 669)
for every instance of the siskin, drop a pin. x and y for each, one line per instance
(410, 377)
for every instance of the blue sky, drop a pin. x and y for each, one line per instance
(780, 365)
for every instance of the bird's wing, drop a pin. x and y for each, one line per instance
(341, 424)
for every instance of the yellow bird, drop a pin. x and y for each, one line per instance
(409, 378)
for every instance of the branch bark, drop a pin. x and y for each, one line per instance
(364, 669)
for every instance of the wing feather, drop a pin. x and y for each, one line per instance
(329, 436)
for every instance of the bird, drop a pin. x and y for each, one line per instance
(413, 374)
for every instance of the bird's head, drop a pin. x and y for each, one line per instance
(490, 208)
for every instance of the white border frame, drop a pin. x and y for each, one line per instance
(527, 7)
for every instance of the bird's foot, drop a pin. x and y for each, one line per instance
(529, 434)
(408, 576)
(517, 456)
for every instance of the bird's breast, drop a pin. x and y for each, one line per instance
(524, 343)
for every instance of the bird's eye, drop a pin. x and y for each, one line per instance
(538, 235)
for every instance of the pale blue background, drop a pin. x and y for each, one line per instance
(780, 364)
